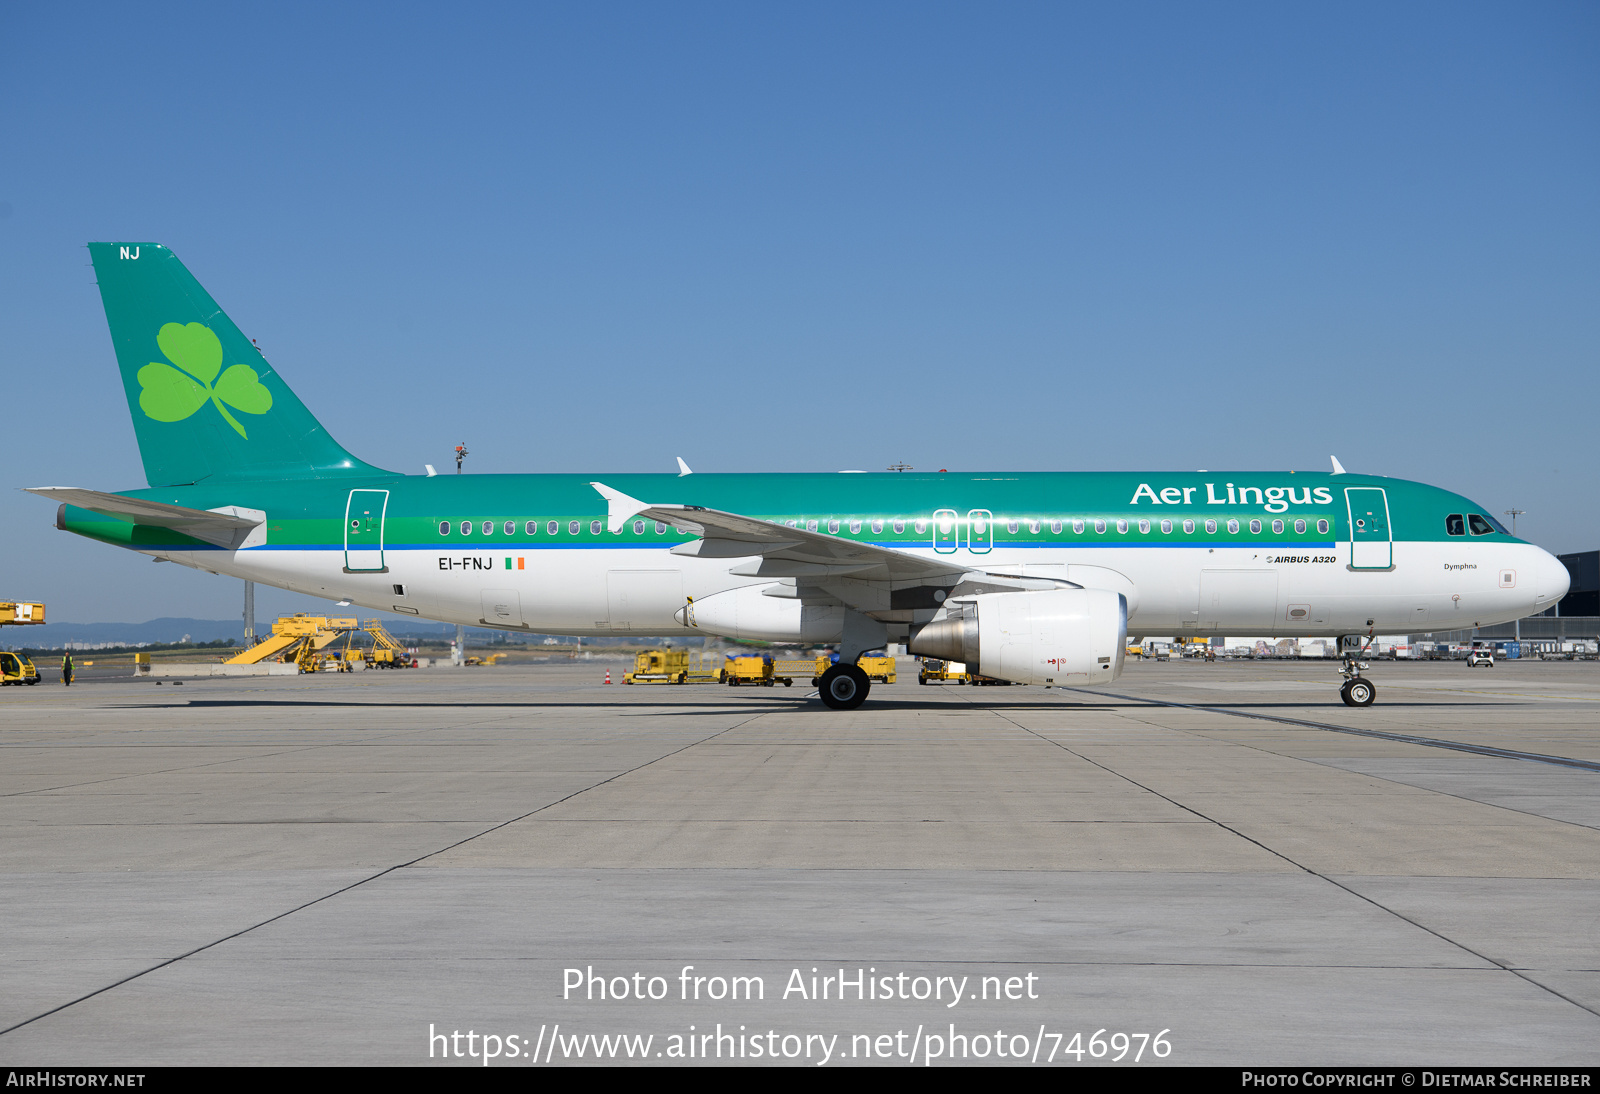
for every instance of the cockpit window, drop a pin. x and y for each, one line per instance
(1455, 525)
(1481, 525)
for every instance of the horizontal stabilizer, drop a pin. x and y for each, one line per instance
(231, 527)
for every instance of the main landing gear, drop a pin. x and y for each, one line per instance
(844, 687)
(1357, 690)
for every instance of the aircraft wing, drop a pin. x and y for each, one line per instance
(229, 527)
(783, 551)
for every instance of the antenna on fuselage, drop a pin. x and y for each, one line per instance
(461, 454)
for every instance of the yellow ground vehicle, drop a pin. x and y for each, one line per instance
(387, 652)
(298, 638)
(755, 670)
(942, 672)
(20, 612)
(659, 667)
(17, 669)
(671, 667)
(880, 669)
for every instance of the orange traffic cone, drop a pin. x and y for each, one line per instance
(608, 676)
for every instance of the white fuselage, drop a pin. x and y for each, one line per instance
(1432, 586)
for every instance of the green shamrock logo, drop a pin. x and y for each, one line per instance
(171, 395)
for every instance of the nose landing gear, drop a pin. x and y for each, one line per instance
(1357, 690)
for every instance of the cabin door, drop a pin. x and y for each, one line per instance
(1371, 538)
(363, 532)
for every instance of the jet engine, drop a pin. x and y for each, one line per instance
(1071, 637)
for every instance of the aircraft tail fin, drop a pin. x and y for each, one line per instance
(206, 404)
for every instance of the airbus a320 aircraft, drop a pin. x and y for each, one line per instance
(1032, 578)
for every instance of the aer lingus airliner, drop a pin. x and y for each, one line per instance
(1036, 578)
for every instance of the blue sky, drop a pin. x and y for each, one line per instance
(810, 237)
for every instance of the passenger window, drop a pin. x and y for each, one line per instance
(488, 527)
(1455, 525)
(1033, 527)
(1255, 527)
(899, 527)
(1012, 526)
(1480, 525)
(638, 527)
(1188, 527)
(444, 528)
(553, 527)
(594, 528)
(1122, 527)
(1166, 527)
(833, 527)
(531, 528)
(792, 523)
(1233, 527)
(1077, 527)
(811, 526)
(660, 527)
(855, 527)
(1211, 527)
(1322, 527)
(1299, 527)
(1277, 527)
(1144, 527)
(466, 527)
(572, 527)
(877, 527)
(921, 527)
(511, 527)
(1100, 527)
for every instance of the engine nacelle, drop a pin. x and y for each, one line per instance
(748, 613)
(1074, 637)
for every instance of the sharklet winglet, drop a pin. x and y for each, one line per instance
(620, 508)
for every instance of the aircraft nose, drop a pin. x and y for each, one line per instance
(1552, 579)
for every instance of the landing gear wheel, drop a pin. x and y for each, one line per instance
(844, 687)
(1358, 692)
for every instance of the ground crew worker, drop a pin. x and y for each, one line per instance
(66, 670)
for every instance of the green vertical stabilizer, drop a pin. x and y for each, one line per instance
(206, 405)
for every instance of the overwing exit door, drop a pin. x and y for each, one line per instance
(363, 532)
(1371, 538)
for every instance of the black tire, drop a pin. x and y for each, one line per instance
(1358, 692)
(844, 687)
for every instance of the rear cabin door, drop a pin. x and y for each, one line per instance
(363, 532)
(1371, 539)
